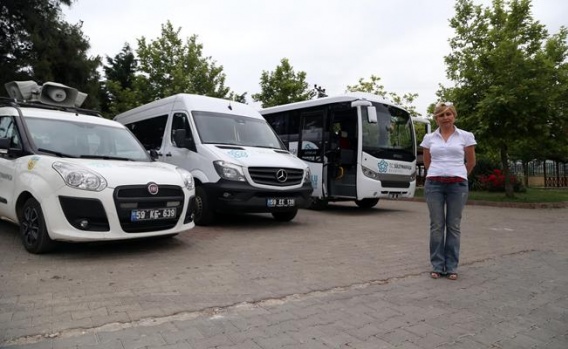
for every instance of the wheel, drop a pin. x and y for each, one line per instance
(204, 215)
(285, 216)
(33, 231)
(317, 204)
(367, 203)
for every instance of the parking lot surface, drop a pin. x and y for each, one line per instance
(340, 278)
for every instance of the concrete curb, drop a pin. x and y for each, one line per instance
(530, 205)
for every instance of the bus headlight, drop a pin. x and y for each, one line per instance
(413, 176)
(80, 177)
(307, 175)
(370, 173)
(229, 171)
(187, 178)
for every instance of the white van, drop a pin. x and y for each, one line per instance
(238, 162)
(68, 174)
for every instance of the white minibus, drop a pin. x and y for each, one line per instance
(359, 146)
(238, 162)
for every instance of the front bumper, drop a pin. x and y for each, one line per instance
(77, 215)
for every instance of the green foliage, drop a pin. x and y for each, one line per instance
(373, 86)
(283, 86)
(36, 44)
(170, 66)
(160, 68)
(118, 89)
(510, 77)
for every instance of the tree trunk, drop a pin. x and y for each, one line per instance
(509, 192)
(525, 174)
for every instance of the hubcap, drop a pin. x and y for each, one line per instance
(30, 226)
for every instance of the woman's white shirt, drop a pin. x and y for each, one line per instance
(448, 157)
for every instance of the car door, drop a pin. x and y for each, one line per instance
(9, 131)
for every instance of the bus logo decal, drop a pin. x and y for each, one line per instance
(281, 176)
(383, 166)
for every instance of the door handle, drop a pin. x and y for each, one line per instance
(169, 154)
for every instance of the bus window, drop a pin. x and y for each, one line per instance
(312, 133)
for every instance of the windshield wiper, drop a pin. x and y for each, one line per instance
(104, 157)
(58, 153)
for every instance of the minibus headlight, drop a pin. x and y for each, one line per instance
(307, 175)
(187, 178)
(229, 171)
(413, 176)
(80, 177)
(370, 173)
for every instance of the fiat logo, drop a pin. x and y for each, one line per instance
(281, 176)
(153, 188)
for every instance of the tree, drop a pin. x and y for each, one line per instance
(170, 66)
(283, 86)
(36, 44)
(509, 74)
(118, 89)
(373, 86)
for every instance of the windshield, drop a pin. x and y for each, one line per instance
(392, 137)
(85, 140)
(218, 128)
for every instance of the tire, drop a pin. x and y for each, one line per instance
(204, 215)
(317, 204)
(367, 203)
(285, 216)
(33, 230)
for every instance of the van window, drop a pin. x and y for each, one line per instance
(8, 129)
(150, 132)
(180, 121)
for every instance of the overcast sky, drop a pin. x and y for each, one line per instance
(335, 42)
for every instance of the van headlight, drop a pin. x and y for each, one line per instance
(187, 178)
(229, 171)
(79, 177)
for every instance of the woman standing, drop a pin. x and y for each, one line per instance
(449, 156)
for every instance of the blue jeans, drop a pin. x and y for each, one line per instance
(445, 203)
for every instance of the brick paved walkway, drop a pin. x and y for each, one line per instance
(324, 288)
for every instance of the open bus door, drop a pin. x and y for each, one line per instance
(341, 157)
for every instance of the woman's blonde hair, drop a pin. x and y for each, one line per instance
(443, 106)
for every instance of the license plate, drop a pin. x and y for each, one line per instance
(278, 202)
(152, 214)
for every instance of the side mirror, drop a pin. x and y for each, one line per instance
(179, 137)
(153, 154)
(372, 115)
(4, 145)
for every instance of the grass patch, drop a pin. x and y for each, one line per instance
(532, 195)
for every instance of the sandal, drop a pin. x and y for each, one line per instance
(453, 276)
(434, 275)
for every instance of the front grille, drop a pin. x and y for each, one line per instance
(131, 197)
(276, 176)
(84, 214)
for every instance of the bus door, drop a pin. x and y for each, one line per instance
(341, 159)
(310, 148)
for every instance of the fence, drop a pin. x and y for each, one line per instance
(554, 174)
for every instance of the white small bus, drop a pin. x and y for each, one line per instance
(359, 147)
(236, 159)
